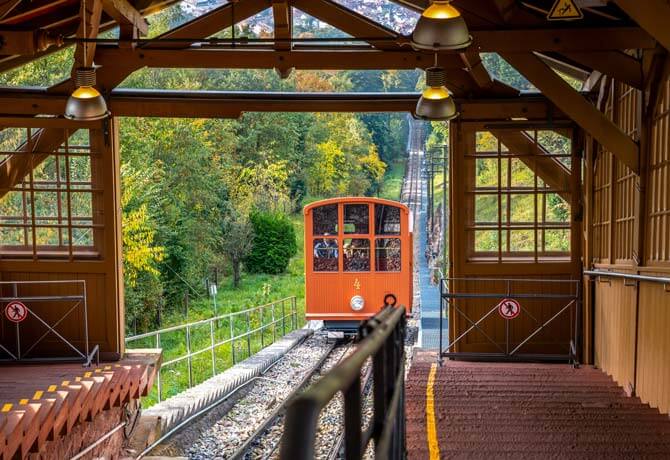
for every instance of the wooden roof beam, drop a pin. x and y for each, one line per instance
(564, 67)
(215, 21)
(652, 15)
(125, 13)
(538, 160)
(618, 65)
(203, 104)
(7, 6)
(577, 107)
(349, 21)
(240, 58)
(561, 40)
(91, 13)
(283, 24)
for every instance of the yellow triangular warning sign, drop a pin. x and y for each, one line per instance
(564, 10)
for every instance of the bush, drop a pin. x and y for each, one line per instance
(274, 243)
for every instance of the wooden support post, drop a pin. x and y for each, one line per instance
(125, 13)
(283, 23)
(577, 107)
(91, 14)
(106, 174)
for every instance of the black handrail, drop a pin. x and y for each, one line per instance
(383, 338)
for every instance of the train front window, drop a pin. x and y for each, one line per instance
(324, 220)
(326, 252)
(356, 218)
(387, 220)
(356, 255)
(387, 254)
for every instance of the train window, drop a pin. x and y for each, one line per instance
(325, 255)
(356, 218)
(356, 255)
(324, 220)
(387, 220)
(387, 254)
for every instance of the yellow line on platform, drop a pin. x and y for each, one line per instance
(431, 429)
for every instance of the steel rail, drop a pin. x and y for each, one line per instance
(260, 431)
(211, 406)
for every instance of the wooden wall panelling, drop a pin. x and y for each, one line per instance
(615, 319)
(653, 357)
(101, 269)
(555, 337)
(658, 226)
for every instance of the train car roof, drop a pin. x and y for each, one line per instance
(354, 199)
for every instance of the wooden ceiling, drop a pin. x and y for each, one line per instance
(625, 40)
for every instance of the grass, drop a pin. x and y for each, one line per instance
(393, 179)
(255, 289)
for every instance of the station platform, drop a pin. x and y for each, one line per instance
(54, 410)
(526, 411)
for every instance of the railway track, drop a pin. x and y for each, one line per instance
(264, 444)
(251, 415)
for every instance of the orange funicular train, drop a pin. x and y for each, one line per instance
(358, 258)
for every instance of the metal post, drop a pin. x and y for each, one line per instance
(212, 341)
(188, 359)
(232, 336)
(439, 354)
(261, 312)
(15, 293)
(294, 309)
(248, 335)
(158, 376)
(352, 420)
(274, 325)
(85, 318)
(283, 318)
(444, 212)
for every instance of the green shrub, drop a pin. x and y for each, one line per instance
(274, 243)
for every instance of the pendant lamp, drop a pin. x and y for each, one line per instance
(441, 27)
(86, 103)
(436, 103)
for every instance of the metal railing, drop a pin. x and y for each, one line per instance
(32, 305)
(383, 338)
(567, 299)
(231, 330)
(665, 281)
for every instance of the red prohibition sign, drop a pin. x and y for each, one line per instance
(16, 311)
(509, 308)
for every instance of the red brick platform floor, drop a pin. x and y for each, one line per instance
(527, 411)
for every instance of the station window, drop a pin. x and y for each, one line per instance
(356, 255)
(387, 220)
(326, 253)
(516, 213)
(50, 211)
(356, 219)
(387, 255)
(324, 220)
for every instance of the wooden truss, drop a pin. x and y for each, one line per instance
(591, 49)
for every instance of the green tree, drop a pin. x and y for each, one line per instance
(274, 243)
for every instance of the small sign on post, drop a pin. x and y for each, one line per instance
(16, 311)
(565, 10)
(509, 308)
